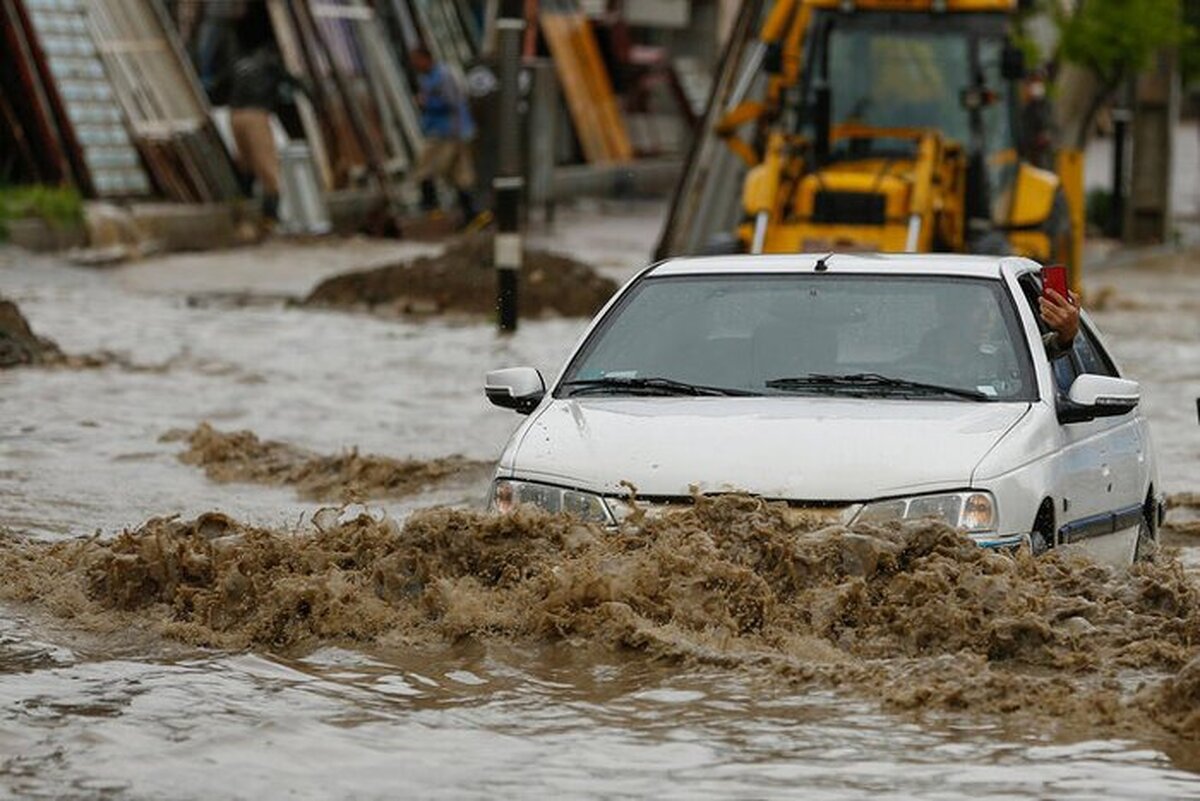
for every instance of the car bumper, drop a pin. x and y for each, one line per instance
(1000, 542)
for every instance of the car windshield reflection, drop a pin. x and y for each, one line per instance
(907, 337)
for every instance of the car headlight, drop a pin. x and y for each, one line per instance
(508, 494)
(972, 512)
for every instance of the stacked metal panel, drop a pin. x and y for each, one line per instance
(162, 101)
(696, 211)
(447, 33)
(360, 115)
(109, 103)
(585, 82)
(88, 97)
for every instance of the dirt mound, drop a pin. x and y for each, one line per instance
(19, 345)
(240, 456)
(463, 279)
(914, 615)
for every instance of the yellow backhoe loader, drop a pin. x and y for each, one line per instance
(888, 125)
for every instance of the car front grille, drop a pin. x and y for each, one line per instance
(795, 512)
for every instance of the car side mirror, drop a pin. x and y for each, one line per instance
(1093, 396)
(518, 388)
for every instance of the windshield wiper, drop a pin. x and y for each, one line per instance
(648, 385)
(871, 382)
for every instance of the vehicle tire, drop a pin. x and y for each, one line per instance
(1041, 538)
(1037, 543)
(1147, 541)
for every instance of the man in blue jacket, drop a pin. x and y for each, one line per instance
(449, 128)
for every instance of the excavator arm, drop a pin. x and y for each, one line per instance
(780, 50)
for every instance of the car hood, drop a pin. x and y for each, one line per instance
(817, 449)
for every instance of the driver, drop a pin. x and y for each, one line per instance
(967, 346)
(963, 348)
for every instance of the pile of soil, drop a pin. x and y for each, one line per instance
(19, 345)
(912, 614)
(463, 279)
(240, 456)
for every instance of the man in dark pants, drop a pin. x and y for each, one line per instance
(255, 85)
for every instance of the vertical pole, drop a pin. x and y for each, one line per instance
(543, 119)
(1116, 217)
(508, 185)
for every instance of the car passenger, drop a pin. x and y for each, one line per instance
(1062, 315)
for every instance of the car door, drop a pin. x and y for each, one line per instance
(1086, 473)
(1096, 474)
(1119, 440)
(1102, 465)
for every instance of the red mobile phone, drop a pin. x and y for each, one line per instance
(1054, 276)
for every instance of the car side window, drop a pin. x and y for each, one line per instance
(1065, 367)
(1065, 372)
(1090, 357)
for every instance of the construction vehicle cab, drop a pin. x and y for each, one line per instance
(889, 125)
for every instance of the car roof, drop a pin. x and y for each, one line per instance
(887, 263)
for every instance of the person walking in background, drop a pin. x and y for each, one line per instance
(449, 129)
(256, 85)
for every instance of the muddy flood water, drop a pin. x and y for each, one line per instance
(222, 575)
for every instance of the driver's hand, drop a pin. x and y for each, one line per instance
(1061, 314)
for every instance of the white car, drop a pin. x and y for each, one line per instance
(873, 387)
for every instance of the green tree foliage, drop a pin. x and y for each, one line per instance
(1189, 46)
(1117, 38)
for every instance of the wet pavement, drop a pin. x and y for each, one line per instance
(123, 714)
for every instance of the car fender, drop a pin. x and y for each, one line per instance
(1020, 469)
(1148, 459)
(506, 466)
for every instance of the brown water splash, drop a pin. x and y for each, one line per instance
(913, 614)
(1184, 500)
(240, 456)
(1183, 516)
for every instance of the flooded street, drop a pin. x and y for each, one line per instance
(110, 691)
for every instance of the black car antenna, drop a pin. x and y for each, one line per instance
(822, 263)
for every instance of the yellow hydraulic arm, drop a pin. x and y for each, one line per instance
(783, 29)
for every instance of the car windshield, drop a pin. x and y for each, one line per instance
(850, 335)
